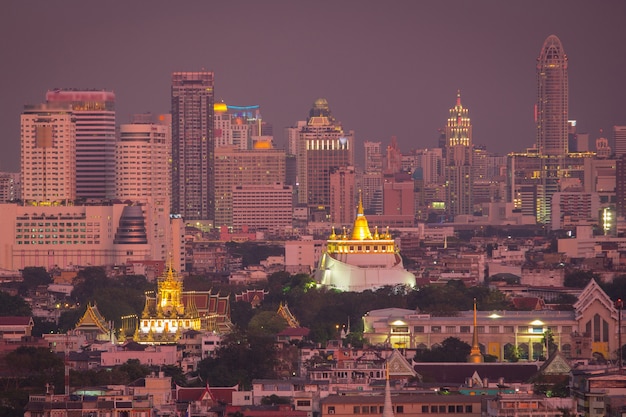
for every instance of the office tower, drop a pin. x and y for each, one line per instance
(236, 167)
(236, 125)
(552, 98)
(143, 174)
(48, 149)
(458, 164)
(193, 177)
(342, 196)
(94, 111)
(398, 195)
(619, 140)
(321, 145)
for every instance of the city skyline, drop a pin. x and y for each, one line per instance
(285, 55)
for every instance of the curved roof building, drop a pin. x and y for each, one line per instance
(361, 260)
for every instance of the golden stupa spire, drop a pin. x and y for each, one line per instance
(475, 356)
(360, 230)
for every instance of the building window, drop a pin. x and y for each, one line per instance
(465, 329)
(435, 329)
(509, 329)
(425, 409)
(418, 329)
(468, 408)
(494, 329)
(331, 409)
(399, 409)
(450, 329)
(356, 410)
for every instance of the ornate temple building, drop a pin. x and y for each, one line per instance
(171, 311)
(360, 260)
(94, 326)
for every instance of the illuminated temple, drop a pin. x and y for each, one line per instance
(361, 260)
(172, 311)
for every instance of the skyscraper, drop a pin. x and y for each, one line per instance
(321, 145)
(551, 110)
(193, 177)
(48, 148)
(458, 165)
(94, 111)
(619, 140)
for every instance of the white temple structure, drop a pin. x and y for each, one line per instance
(362, 261)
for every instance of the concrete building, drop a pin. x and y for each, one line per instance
(262, 207)
(48, 153)
(143, 174)
(94, 111)
(589, 330)
(570, 209)
(243, 168)
(342, 196)
(71, 236)
(303, 255)
(619, 141)
(193, 144)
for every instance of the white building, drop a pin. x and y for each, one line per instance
(94, 111)
(143, 173)
(69, 236)
(147, 355)
(302, 256)
(48, 149)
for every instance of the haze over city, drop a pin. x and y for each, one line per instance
(386, 68)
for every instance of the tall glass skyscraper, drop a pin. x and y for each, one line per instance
(551, 110)
(193, 143)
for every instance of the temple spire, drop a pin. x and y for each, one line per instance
(387, 405)
(475, 356)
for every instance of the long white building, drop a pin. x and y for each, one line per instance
(70, 236)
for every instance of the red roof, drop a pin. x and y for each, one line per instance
(217, 394)
(15, 321)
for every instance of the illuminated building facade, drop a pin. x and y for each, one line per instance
(458, 164)
(321, 145)
(193, 176)
(590, 330)
(359, 260)
(619, 140)
(372, 178)
(48, 148)
(233, 125)
(10, 186)
(235, 167)
(94, 111)
(171, 311)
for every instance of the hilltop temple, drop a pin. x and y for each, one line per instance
(361, 260)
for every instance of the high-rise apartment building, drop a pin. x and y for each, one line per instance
(143, 174)
(193, 144)
(321, 146)
(619, 140)
(268, 206)
(372, 179)
(458, 164)
(551, 113)
(10, 187)
(48, 148)
(237, 167)
(94, 111)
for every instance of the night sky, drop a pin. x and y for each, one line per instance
(386, 67)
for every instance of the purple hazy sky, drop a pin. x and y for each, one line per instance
(386, 67)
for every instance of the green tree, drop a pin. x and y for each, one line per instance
(33, 277)
(13, 305)
(266, 323)
(452, 349)
(579, 278)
